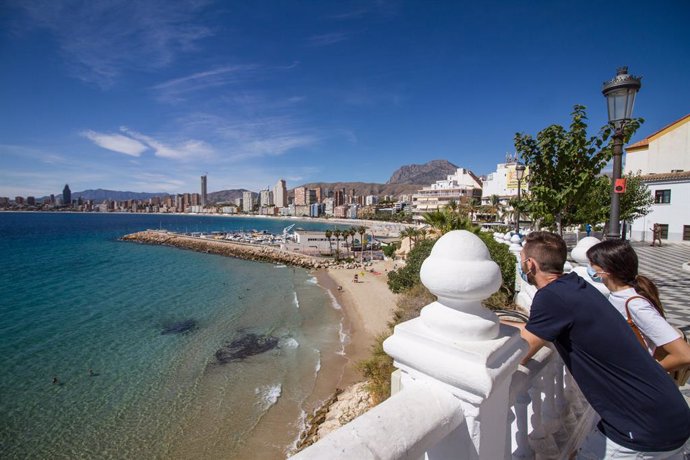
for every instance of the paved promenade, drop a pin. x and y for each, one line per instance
(663, 266)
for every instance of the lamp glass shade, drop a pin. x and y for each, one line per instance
(519, 171)
(620, 103)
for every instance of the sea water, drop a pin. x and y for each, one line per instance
(81, 306)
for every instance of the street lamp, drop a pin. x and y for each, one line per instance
(519, 174)
(620, 95)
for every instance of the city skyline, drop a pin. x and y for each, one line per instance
(148, 96)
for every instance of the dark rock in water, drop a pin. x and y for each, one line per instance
(179, 327)
(247, 345)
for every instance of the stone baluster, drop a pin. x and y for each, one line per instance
(523, 450)
(540, 440)
(551, 419)
(460, 346)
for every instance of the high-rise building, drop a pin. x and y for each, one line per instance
(339, 197)
(66, 195)
(280, 196)
(247, 202)
(265, 197)
(204, 195)
(300, 196)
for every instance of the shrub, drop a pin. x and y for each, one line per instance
(407, 276)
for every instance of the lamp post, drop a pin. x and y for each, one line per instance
(620, 95)
(519, 174)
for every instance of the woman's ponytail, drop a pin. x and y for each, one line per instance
(647, 289)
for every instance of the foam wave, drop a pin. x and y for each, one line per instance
(317, 367)
(334, 301)
(268, 395)
(344, 339)
(312, 280)
(280, 266)
(301, 428)
(289, 342)
(295, 300)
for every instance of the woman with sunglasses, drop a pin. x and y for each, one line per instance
(615, 263)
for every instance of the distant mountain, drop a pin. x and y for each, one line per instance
(100, 195)
(426, 174)
(228, 196)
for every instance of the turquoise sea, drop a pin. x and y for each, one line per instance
(74, 298)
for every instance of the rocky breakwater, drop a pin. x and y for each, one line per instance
(226, 248)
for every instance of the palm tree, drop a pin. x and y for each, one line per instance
(345, 234)
(329, 235)
(337, 234)
(495, 205)
(352, 233)
(361, 230)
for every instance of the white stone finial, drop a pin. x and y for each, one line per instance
(460, 272)
(579, 252)
(459, 269)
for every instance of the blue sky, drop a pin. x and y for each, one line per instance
(148, 95)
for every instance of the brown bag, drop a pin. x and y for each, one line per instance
(680, 376)
(632, 324)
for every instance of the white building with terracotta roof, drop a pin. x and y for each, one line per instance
(663, 158)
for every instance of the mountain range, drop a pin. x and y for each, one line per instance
(405, 180)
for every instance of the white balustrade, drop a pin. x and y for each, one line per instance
(459, 391)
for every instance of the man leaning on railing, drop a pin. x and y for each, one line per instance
(641, 410)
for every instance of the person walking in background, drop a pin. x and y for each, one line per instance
(656, 234)
(615, 264)
(643, 414)
(588, 229)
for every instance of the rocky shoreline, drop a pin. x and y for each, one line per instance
(341, 408)
(227, 248)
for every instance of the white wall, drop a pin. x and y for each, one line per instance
(667, 150)
(675, 214)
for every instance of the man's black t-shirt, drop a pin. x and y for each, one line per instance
(639, 405)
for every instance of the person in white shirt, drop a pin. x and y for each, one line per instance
(615, 263)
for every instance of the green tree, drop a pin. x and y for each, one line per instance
(636, 202)
(564, 165)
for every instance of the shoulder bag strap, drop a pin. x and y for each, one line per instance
(632, 324)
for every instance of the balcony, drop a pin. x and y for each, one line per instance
(459, 391)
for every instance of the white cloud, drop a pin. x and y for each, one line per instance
(173, 90)
(329, 38)
(101, 40)
(116, 143)
(191, 149)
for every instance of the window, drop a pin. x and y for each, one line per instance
(664, 231)
(662, 196)
(686, 232)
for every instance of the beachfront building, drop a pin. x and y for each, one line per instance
(204, 194)
(265, 198)
(502, 183)
(312, 243)
(247, 201)
(340, 211)
(66, 196)
(461, 187)
(280, 194)
(371, 200)
(663, 159)
(328, 206)
(300, 196)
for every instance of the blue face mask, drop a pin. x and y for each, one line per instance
(592, 274)
(522, 274)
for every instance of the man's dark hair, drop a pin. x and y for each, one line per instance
(548, 249)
